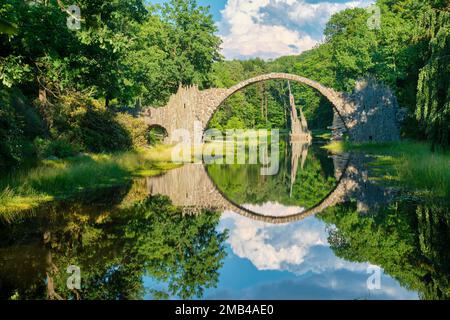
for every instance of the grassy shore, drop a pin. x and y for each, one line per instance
(62, 179)
(408, 163)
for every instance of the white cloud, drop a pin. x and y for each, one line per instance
(299, 247)
(273, 28)
(304, 13)
(266, 42)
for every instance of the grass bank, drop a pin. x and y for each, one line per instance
(409, 163)
(62, 179)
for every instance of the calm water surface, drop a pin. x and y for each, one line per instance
(318, 229)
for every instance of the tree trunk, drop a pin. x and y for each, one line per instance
(106, 102)
(50, 269)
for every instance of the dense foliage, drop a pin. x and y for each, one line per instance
(433, 96)
(124, 55)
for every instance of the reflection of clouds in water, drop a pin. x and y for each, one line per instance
(298, 247)
(273, 209)
(337, 284)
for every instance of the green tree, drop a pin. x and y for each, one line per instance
(353, 45)
(433, 91)
(194, 45)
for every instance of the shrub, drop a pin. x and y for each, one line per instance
(99, 131)
(137, 129)
(11, 132)
(60, 148)
(235, 123)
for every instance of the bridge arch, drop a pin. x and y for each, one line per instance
(336, 99)
(156, 133)
(371, 111)
(190, 105)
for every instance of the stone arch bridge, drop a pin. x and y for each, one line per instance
(369, 113)
(191, 187)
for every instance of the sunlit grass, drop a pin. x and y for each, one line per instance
(61, 179)
(409, 163)
(335, 147)
(322, 134)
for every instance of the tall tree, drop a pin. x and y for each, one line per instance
(433, 90)
(193, 45)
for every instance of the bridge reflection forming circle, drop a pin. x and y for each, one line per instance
(192, 188)
(344, 185)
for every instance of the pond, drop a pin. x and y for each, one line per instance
(323, 227)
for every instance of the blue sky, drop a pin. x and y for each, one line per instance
(215, 5)
(272, 28)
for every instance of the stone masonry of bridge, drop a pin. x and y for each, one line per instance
(369, 113)
(191, 187)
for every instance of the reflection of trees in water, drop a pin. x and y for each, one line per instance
(243, 184)
(314, 182)
(114, 248)
(409, 240)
